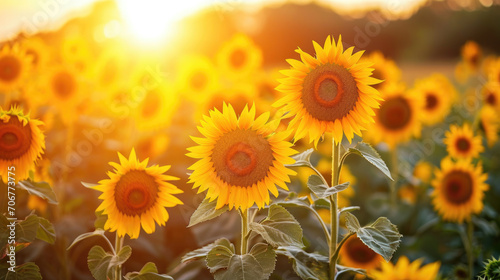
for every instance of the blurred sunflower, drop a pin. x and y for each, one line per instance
(461, 142)
(239, 57)
(329, 93)
(458, 190)
(110, 68)
(491, 95)
(423, 171)
(489, 124)
(471, 54)
(37, 203)
(241, 159)
(197, 78)
(406, 270)
(397, 119)
(324, 166)
(65, 91)
(384, 69)
(153, 145)
(14, 67)
(438, 94)
(136, 195)
(354, 253)
(156, 109)
(75, 51)
(21, 143)
(239, 96)
(493, 71)
(38, 50)
(408, 193)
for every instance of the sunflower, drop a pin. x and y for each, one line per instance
(423, 171)
(493, 71)
(324, 166)
(406, 270)
(461, 142)
(458, 190)
(239, 57)
(156, 109)
(65, 91)
(438, 94)
(384, 69)
(471, 54)
(14, 67)
(329, 93)
(491, 95)
(489, 124)
(197, 78)
(38, 50)
(354, 253)
(21, 143)
(408, 193)
(241, 159)
(110, 68)
(75, 51)
(397, 119)
(136, 195)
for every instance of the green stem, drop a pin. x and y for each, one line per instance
(470, 254)
(395, 172)
(337, 251)
(118, 248)
(334, 221)
(323, 225)
(244, 231)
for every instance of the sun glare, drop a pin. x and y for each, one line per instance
(153, 21)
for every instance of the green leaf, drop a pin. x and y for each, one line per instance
(41, 189)
(206, 211)
(381, 236)
(26, 230)
(309, 266)
(98, 261)
(97, 232)
(279, 228)
(244, 267)
(219, 257)
(315, 183)
(368, 152)
(342, 269)
(203, 252)
(121, 257)
(148, 272)
(265, 256)
(302, 159)
(45, 231)
(294, 201)
(27, 270)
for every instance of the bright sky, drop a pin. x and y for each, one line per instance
(140, 16)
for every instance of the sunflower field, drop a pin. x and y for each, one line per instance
(250, 140)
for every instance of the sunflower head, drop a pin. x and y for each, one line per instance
(15, 65)
(355, 253)
(384, 69)
(423, 171)
(461, 142)
(491, 95)
(21, 143)
(239, 57)
(135, 196)
(397, 119)
(329, 93)
(197, 78)
(241, 159)
(458, 190)
(403, 269)
(471, 54)
(489, 124)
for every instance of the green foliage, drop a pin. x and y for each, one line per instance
(279, 228)
(316, 185)
(97, 232)
(148, 272)
(41, 189)
(206, 211)
(27, 230)
(203, 252)
(102, 264)
(24, 271)
(368, 152)
(303, 159)
(381, 236)
(309, 266)
(492, 269)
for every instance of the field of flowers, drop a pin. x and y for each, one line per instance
(244, 160)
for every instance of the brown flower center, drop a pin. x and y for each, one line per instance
(329, 92)
(199, 80)
(242, 157)
(463, 144)
(64, 84)
(395, 113)
(15, 139)
(458, 187)
(491, 99)
(135, 193)
(359, 252)
(10, 68)
(431, 101)
(238, 58)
